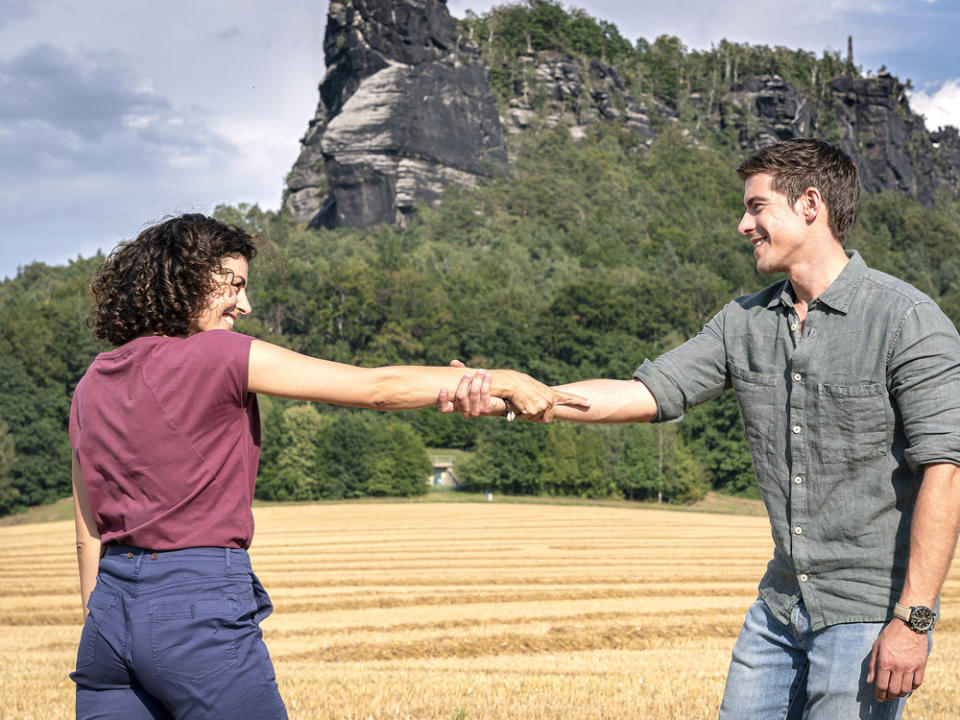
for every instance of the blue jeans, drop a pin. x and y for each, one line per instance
(789, 672)
(175, 635)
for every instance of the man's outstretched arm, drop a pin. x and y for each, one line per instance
(611, 401)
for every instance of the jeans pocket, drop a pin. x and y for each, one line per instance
(194, 636)
(99, 604)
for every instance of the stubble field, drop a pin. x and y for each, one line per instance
(457, 611)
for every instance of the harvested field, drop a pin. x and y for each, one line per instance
(462, 611)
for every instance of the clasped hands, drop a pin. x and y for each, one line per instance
(528, 398)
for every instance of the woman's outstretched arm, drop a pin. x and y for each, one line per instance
(277, 371)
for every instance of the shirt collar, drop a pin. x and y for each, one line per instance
(839, 295)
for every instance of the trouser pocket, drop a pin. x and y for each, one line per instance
(99, 604)
(193, 636)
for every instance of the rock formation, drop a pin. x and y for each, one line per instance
(404, 111)
(576, 91)
(869, 117)
(881, 133)
(779, 112)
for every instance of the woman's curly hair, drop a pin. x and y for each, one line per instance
(160, 282)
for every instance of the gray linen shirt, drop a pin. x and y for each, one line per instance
(841, 416)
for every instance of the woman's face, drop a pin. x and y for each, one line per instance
(229, 298)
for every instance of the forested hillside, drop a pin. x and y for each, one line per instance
(591, 256)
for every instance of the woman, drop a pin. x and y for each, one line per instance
(165, 435)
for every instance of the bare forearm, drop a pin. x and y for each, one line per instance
(88, 537)
(933, 535)
(274, 370)
(611, 401)
(411, 387)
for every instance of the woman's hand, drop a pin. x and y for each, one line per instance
(528, 398)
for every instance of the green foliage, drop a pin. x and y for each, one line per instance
(632, 462)
(656, 464)
(573, 462)
(512, 30)
(590, 257)
(507, 460)
(340, 454)
(714, 434)
(8, 458)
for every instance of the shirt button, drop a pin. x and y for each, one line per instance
(796, 429)
(798, 530)
(797, 377)
(803, 577)
(798, 480)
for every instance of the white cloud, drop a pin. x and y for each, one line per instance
(940, 107)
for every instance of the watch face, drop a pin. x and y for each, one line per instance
(921, 619)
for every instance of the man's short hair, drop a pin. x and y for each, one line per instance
(801, 163)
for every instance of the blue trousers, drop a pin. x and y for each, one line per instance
(789, 672)
(176, 636)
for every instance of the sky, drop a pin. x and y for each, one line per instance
(117, 113)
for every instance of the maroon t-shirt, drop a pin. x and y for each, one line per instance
(168, 441)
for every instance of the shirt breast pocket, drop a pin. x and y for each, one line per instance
(852, 422)
(756, 395)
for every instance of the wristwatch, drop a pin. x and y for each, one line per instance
(918, 618)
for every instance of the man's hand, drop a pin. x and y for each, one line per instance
(472, 397)
(898, 660)
(529, 398)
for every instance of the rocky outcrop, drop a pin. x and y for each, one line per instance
(404, 111)
(880, 132)
(580, 92)
(763, 110)
(869, 117)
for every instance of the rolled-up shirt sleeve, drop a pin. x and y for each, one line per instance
(689, 374)
(924, 379)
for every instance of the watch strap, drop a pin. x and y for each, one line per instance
(902, 612)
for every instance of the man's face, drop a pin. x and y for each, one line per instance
(776, 229)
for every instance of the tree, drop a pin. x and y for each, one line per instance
(574, 462)
(397, 462)
(8, 492)
(35, 416)
(300, 472)
(509, 459)
(714, 432)
(654, 463)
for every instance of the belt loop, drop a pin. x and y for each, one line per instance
(136, 567)
(226, 553)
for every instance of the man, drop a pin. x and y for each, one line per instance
(848, 381)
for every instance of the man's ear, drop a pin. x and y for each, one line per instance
(811, 204)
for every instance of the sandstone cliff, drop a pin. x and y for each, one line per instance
(404, 111)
